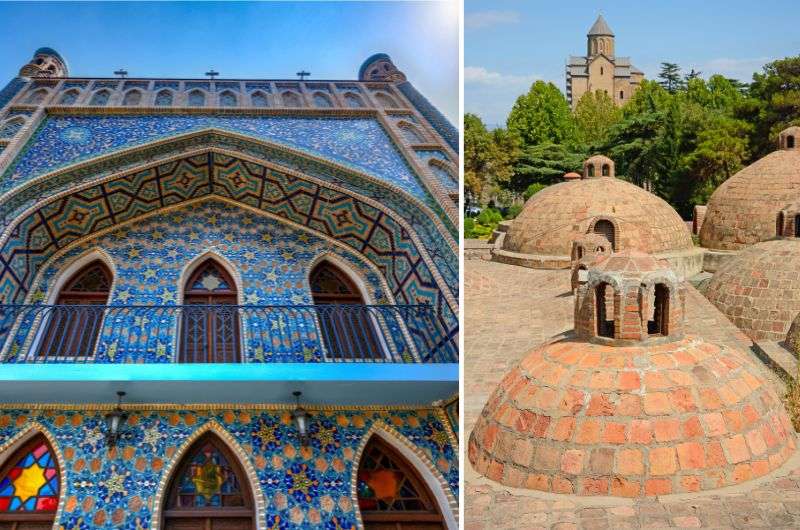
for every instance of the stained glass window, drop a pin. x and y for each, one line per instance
(388, 484)
(322, 101)
(31, 484)
(210, 278)
(69, 97)
(93, 279)
(164, 98)
(207, 479)
(197, 98)
(327, 279)
(100, 99)
(259, 99)
(227, 99)
(353, 101)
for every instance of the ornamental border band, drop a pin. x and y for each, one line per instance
(227, 303)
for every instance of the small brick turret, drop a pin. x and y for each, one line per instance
(598, 166)
(46, 62)
(789, 138)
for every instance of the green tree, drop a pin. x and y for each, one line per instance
(489, 159)
(541, 116)
(595, 114)
(545, 164)
(776, 92)
(670, 76)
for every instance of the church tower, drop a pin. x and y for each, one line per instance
(600, 39)
(600, 70)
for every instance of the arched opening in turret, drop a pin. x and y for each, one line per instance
(604, 310)
(790, 142)
(590, 171)
(779, 222)
(658, 321)
(797, 226)
(606, 170)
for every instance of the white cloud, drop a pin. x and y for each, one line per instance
(741, 69)
(483, 19)
(478, 75)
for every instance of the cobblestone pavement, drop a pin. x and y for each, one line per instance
(508, 311)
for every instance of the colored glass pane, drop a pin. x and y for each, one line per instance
(94, 280)
(210, 278)
(385, 484)
(325, 279)
(32, 484)
(208, 481)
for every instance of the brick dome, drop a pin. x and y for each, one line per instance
(759, 289)
(642, 411)
(558, 214)
(747, 207)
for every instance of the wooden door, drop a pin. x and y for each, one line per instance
(74, 324)
(348, 326)
(391, 494)
(210, 331)
(209, 490)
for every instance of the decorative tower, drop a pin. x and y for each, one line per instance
(379, 67)
(46, 62)
(600, 39)
(628, 405)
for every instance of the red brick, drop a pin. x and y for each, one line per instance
(495, 471)
(562, 485)
(514, 477)
(595, 486)
(682, 399)
(759, 467)
(522, 452)
(540, 425)
(667, 430)
(545, 398)
(525, 420)
(662, 461)
(489, 437)
(563, 428)
(614, 433)
(657, 404)
(572, 461)
(750, 414)
(715, 424)
(601, 461)
(629, 405)
(742, 472)
(600, 405)
(641, 432)
(602, 379)
(621, 487)
(736, 449)
(628, 381)
(629, 462)
(571, 402)
(734, 420)
(710, 400)
(690, 483)
(658, 486)
(538, 481)
(692, 428)
(691, 455)
(588, 432)
(715, 457)
(769, 436)
(546, 458)
(756, 442)
(656, 381)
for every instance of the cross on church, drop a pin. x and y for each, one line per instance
(302, 74)
(212, 73)
(123, 73)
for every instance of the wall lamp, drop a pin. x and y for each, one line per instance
(115, 421)
(300, 417)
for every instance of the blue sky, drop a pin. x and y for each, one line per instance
(511, 43)
(241, 39)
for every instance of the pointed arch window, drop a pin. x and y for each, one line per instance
(209, 490)
(353, 101)
(227, 99)
(29, 487)
(69, 97)
(37, 97)
(348, 327)
(210, 326)
(75, 321)
(132, 98)
(100, 99)
(391, 494)
(197, 98)
(259, 99)
(322, 101)
(11, 128)
(290, 99)
(410, 133)
(385, 100)
(164, 98)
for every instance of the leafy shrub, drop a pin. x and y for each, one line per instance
(513, 211)
(532, 190)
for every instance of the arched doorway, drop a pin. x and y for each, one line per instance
(210, 322)
(29, 487)
(605, 228)
(209, 490)
(74, 324)
(391, 494)
(348, 328)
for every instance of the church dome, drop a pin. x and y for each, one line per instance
(629, 406)
(626, 214)
(747, 207)
(759, 289)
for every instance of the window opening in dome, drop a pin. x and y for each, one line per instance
(657, 323)
(779, 225)
(797, 226)
(606, 171)
(606, 228)
(790, 142)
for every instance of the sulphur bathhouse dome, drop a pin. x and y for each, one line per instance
(629, 406)
(628, 216)
(759, 202)
(759, 288)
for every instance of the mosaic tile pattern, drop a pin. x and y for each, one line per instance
(271, 258)
(10, 90)
(364, 228)
(359, 143)
(431, 113)
(305, 487)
